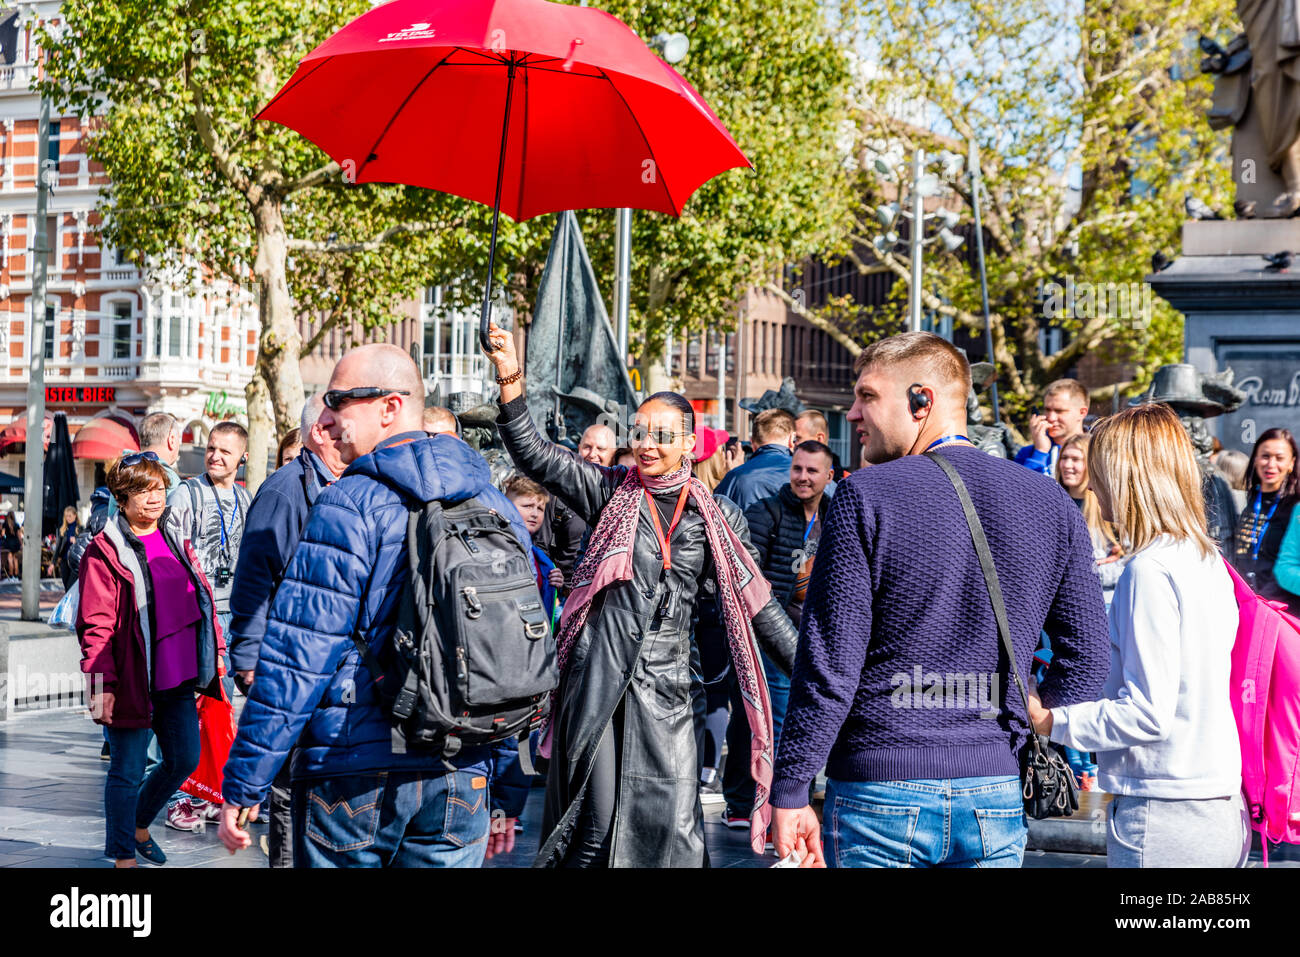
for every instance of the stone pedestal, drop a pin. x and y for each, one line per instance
(1238, 315)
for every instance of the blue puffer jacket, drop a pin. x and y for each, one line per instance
(348, 572)
(764, 474)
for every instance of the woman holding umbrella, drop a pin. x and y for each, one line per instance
(622, 787)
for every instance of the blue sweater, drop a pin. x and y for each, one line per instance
(898, 673)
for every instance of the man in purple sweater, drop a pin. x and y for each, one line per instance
(900, 688)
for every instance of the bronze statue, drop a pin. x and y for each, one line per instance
(1257, 92)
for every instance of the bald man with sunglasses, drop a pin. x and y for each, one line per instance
(311, 687)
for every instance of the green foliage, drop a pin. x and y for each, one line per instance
(773, 75)
(778, 81)
(148, 69)
(1089, 120)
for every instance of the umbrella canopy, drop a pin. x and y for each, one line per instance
(60, 477)
(13, 436)
(416, 92)
(531, 106)
(10, 484)
(102, 439)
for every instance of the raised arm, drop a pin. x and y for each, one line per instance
(582, 486)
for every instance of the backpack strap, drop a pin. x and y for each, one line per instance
(194, 509)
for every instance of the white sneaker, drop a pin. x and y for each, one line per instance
(182, 817)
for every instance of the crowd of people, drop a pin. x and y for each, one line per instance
(727, 629)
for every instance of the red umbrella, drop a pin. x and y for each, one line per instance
(532, 106)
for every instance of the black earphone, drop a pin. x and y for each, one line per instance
(916, 398)
(243, 458)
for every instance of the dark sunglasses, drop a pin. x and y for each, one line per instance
(136, 458)
(638, 433)
(335, 399)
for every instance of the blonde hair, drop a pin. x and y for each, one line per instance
(712, 469)
(1144, 466)
(1091, 507)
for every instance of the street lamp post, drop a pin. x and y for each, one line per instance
(923, 184)
(672, 47)
(917, 241)
(34, 488)
(974, 165)
(622, 278)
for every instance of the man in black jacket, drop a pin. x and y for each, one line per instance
(784, 529)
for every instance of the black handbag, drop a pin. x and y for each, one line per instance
(1047, 783)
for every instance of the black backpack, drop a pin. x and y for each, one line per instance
(472, 661)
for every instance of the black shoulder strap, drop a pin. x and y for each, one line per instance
(195, 510)
(986, 564)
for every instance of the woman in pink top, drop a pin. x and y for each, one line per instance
(149, 641)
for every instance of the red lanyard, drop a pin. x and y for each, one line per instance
(659, 530)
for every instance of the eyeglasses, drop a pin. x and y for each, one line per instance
(335, 399)
(637, 435)
(136, 458)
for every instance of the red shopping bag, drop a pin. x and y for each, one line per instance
(216, 734)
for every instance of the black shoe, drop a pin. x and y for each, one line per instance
(711, 792)
(735, 820)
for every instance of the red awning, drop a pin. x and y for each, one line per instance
(15, 433)
(103, 439)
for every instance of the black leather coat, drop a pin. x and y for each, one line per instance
(627, 655)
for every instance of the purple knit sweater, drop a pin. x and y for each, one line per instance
(899, 673)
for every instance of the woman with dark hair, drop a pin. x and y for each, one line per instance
(622, 787)
(149, 640)
(11, 545)
(1272, 490)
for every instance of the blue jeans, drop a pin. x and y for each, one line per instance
(778, 689)
(391, 819)
(737, 784)
(127, 803)
(958, 822)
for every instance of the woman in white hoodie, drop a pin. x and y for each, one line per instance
(1164, 734)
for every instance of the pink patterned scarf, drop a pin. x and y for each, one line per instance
(742, 593)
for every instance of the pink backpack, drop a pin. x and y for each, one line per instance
(1266, 704)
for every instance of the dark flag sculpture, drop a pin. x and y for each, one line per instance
(575, 375)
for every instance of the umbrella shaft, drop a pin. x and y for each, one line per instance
(484, 316)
